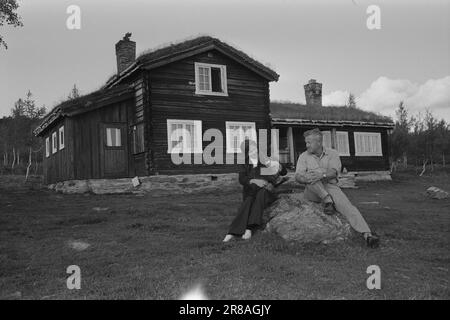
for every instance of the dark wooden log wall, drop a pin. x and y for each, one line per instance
(87, 130)
(367, 163)
(139, 114)
(352, 162)
(138, 110)
(59, 166)
(172, 96)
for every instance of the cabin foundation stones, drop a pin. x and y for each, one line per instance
(186, 183)
(155, 185)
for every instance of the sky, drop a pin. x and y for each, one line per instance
(406, 59)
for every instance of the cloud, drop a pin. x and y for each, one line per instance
(335, 98)
(384, 95)
(433, 93)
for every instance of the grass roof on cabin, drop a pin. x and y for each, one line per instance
(187, 45)
(297, 111)
(82, 104)
(168, 50)
(87, 100)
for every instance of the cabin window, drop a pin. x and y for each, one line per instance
(54, 142)
(368, 144)
(326, 139)
(237, 132)
(47, 147)
(61, 138)
(210, 79)
(138, 138)
(341, 142)
(113, 137)
(184, 136)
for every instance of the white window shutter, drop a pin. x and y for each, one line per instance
(54, 142)
(198, 136)
(342, 143)
(47, 147)
(118, 137)
(326, 142)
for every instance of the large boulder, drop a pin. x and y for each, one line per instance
(294, 218)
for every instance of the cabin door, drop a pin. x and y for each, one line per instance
(114, 151)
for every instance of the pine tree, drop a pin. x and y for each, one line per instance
(74, 93)
(351, 101)
(17, 137)
(400, 135)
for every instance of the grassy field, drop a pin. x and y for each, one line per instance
(148, 247)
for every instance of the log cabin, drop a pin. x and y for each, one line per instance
(360, 137)
(127, 128)
(130, 126)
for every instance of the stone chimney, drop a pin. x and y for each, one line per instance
(313, 93)
(125, 52)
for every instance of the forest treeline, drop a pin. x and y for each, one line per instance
(19, 148)
(421, 140)
(20, 151)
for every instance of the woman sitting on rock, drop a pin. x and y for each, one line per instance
(258, 179)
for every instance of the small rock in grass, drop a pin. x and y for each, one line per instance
(436, 193)
(99, 209)
(135, 181)
(79, 245)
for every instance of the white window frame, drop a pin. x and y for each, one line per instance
(223, 79)
(47, 147)
(186, 147)
(230, 144)
(368, 153)
(327, 137)
(347, 145)
(61, 137)
(118, 131)
(54, 142)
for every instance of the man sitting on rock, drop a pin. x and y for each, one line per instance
(319, 167)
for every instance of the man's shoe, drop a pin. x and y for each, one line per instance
(373, 240)
(329, 208)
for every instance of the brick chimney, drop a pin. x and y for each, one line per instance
(125, 52)
(313, 93)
